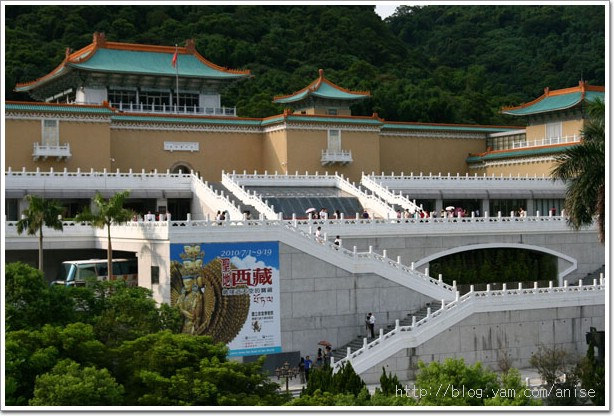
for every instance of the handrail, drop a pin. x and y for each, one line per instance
(411, 336)
(249, 199)
(217, 202)
(372, 202)
(387, 195)
(423, 177)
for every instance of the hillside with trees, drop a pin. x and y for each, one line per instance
(454, 64)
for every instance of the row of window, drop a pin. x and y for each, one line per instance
(505, 206)
(152, 98)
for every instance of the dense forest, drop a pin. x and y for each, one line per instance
(455, 64)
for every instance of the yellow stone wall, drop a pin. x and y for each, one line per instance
(89, 145)
(422, 154)
(144, 149)
(305, 152)
(275, 151)
(525, 168)
(569, 128)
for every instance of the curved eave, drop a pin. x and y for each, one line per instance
(506, 154)
(57, 108)
(531, 110)
(127, 72)
(447, 127)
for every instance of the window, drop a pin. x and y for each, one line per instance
(332, 111)
(122, 96)
(553, 130)
(51, 133)
(334, 140)
(155, 275)
(186, 99)
(154, 100)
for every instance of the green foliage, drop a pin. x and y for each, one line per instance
(454, 64)
(69, 384)
(179, 369)
(592, 375)
(108, 212)
(389, 385)
(40, 213)
(345, 381)
(496, 265)
(30, 303)
(453, 373)
(583, 167)
(552, 364)
(513, 392)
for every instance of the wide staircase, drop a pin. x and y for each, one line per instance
(219, 187)
(358, 342)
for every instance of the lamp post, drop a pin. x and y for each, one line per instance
(287, 372)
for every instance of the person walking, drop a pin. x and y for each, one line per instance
(337, 241)
(308, 364)
(319, 234)
(367, 323)
(320, 358)
(372, 324)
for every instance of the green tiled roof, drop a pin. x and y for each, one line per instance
(518, 153)
(194, 120)
(445, 127)
(349, 120)
(554, 103)
(322, 88)
(151, 63)
(68, 108)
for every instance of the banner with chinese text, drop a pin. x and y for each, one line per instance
(229, 291)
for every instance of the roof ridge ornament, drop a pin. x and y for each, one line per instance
(190, 47)
(100, 39)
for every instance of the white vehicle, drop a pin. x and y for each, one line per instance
(78, 272)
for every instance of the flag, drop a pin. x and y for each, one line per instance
(174, 62)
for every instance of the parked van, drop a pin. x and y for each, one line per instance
(77, 272)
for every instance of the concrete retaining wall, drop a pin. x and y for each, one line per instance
(322, 302)
(490, 336)
(583, 246)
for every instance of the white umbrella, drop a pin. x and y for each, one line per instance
(450, 208)
(310, 210)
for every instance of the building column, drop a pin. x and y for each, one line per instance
(161, 205)
(530, 207)
(438, 205)
(484, 207)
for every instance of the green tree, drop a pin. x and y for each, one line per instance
(389, 385)
(454, 374)
(40, 213)
(582, 168)
(592, 375)
(512, 392)
(30, 303)
(69, 384)
(180, 369)
(108, 212)
(343, 381)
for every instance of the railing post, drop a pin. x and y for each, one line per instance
(398, 259)
(355, 251)
(594, 282)
(413, 321)
(564, 283)
(504, 287)
(535, 287)
(189, 217)
(364, 342)
(440, 278)
(396, 324)
(428, 312)
(349, 352)
(443, 303)
(332, 361)
(384, 252)
(488, 287)
(457, 296)
(580, 283)
(412, 265)
(471, 288)
(426, 272)
(381, 333)
(370, 249)
(537, 213)
(454, 284)
(519, 285)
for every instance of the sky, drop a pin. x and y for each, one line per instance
(386, 9)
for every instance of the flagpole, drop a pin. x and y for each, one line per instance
(177, 79)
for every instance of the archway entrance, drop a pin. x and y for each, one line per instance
(182, 167)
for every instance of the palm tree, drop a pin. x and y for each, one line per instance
(107, 213)
(40, 213)
(582, 167)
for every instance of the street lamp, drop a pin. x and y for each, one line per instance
(287, 372)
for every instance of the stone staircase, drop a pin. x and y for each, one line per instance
(588, 279)
(218, 186)
(358, 342)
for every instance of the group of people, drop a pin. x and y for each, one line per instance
(323, 214)
(150, 217)
(306, 364)
(320, 237)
